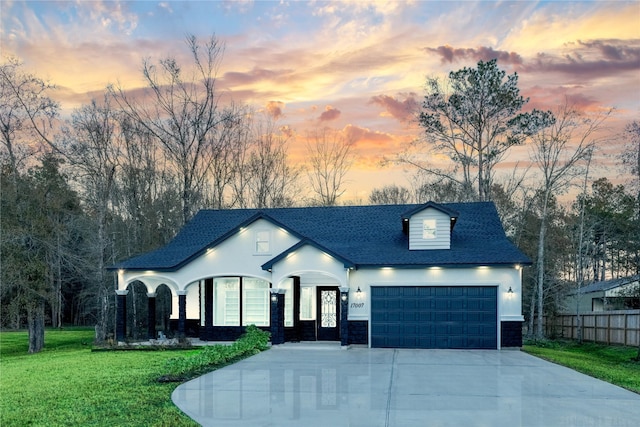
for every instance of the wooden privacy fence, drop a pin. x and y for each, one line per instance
(609, 327)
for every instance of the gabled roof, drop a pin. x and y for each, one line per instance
(442, 208)
(367, 236)
(419, 208)
(203, 232)
(607, 285)
(307, 242)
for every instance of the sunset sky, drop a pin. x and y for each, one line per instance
(355, 66)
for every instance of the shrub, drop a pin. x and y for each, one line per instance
(215, 356)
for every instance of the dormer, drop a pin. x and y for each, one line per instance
(429, 226)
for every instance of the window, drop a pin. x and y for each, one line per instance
(288, 301)
(228, 294)
(262, 242)
(429, 229)
(306, 304)
(255, 302)
(227, 301)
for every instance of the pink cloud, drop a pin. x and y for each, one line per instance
(591, 59)
(402, 110)
(233, 78)
(329, 114)
(482, 53)
(548, 98)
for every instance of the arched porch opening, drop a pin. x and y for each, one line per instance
(313, 307)
(164, 309)
(137, 320)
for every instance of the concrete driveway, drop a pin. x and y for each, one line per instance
(329, 387)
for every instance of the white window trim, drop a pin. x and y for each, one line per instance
(256, 241)
(429, 229)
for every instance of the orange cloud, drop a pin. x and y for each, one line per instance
(274, 109)
(364, 136)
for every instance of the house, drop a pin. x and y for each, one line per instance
(400, 276)
(615, 294)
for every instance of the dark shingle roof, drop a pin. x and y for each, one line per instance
(606, 285)
(361, 235)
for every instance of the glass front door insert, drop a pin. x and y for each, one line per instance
(328, 299)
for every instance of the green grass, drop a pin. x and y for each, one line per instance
(69, 385)
(609, 363)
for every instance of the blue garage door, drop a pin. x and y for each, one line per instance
(434, 317)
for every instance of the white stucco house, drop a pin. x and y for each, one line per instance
(400, 276)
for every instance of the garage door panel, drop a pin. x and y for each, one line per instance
(456, 329)
(434, 317)
(457, 316)
(456, 304)
(425, 316)
(426, 329)
(441, 304)
(441, 316)
(456, 291)
(394, 316)
(425, 291)
(442, 291)
(412, 304)
(457, 342)
(411, 316)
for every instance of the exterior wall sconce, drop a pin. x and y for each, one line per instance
(510, 291)
(344, 293)
(359, 291)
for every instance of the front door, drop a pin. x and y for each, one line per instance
(328, 298)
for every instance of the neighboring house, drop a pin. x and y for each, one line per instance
(614, 294)
(408, 276)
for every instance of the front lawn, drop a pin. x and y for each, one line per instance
(613, 364)
(67, 384)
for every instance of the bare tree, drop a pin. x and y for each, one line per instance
(229, 148)
(580, 258)
(558, 151)
(430, 187)
(329, 160)
(26, 116)
(146, 194)
(264, 177)
(93, 149)
(182, 114)
(390, 195)
(26, 113)
(630, 155)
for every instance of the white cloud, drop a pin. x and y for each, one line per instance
(166, 6)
